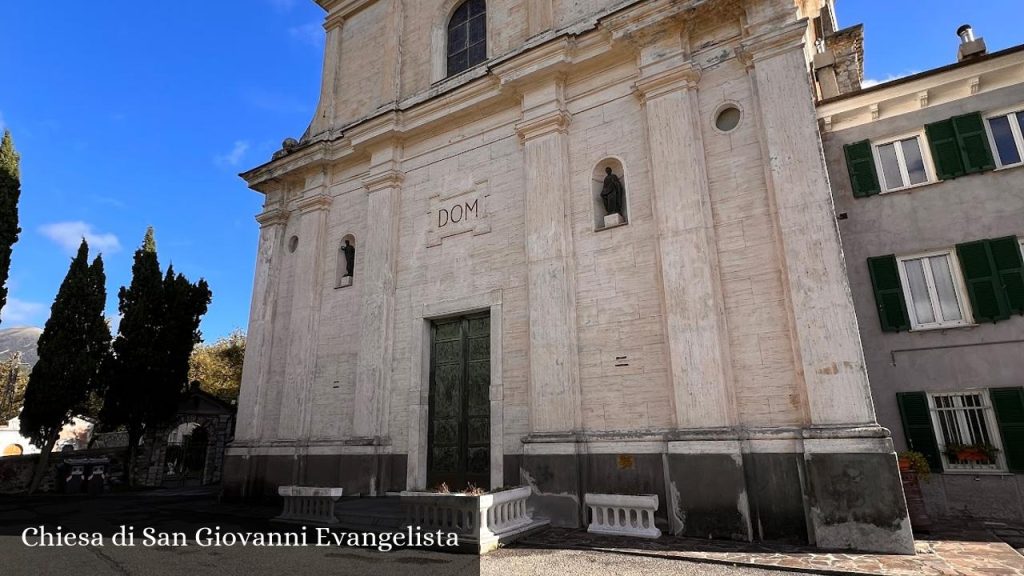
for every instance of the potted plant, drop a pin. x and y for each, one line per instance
(915, 462)
(976, 453)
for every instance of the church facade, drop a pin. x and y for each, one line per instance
(587, 247)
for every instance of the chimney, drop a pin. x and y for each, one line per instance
(970, 47)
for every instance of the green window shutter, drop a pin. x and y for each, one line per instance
(1009, 408)
(945, 149)
(861, 165)
(988, 300)
(1006, 255)
(973, 141)
(917, 427)
(892, 307)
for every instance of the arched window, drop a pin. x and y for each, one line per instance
(467, 36)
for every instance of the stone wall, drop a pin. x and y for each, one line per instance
(848, 47)
(16, 471)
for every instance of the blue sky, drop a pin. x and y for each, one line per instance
(130, 114)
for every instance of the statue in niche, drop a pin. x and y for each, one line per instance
(350, 258)
(612, 192)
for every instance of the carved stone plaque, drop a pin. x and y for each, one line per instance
(460, 207)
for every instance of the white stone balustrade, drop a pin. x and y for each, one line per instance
(308, 504)
(483, 520)
(622, 515)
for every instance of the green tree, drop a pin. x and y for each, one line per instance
(74, 343)
(218, 366)
(13, 378)
(10, 191)
(148, 370)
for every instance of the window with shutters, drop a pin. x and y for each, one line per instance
(965, 428)
(902, 163)
(933, 291)
(959, 145)
(467, 36)
(1006, 136)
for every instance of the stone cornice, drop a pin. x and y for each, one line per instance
(314, 202)
(553, 57)
(683, 76)
(383, 180)
(272, 217)
(343, 8)
(556, 121)
(778, 40)
(647, 19)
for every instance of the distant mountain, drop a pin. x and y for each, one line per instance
(20, 340)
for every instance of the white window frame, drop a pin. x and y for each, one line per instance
(1015, 129)
(966, 319)
(926, 158)
(991, 426)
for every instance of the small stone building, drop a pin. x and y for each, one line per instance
(190, 450)
(444, 291)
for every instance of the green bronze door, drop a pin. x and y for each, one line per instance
(459, 437)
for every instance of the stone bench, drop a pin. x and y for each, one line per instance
(312, 504)
(622, 515)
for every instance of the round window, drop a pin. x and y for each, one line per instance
(293, 243)
(728, 118)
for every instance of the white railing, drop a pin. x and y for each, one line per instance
(622, 515)
(309, 504)
(482, 520)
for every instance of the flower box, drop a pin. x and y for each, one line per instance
(623, 515)
(482, 521)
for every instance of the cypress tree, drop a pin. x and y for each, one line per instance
(148, 371)
(74, 343)
(10, 191)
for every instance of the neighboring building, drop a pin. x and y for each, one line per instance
(928, 182)
(450, 287)
(74, 436)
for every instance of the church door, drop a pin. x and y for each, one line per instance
(459, 437)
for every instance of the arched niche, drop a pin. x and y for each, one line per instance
(602, 218)
(346, 261)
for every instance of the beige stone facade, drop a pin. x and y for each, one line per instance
(706, 350)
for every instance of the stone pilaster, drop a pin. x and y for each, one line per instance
(853, 494)
(688, 257)
(554, 365)
(379, 252)
(304, 327)
(256, 368)
(824, 322)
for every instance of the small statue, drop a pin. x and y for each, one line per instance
(350, 258)
(612, 192)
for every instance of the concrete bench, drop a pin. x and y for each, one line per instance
(313, 504)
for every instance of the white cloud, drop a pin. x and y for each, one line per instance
(20, 312)
(234, 157)
(68, 235)
(869, 82)
(312, 34)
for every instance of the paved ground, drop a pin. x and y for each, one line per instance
(554, 552)
(961, 551)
